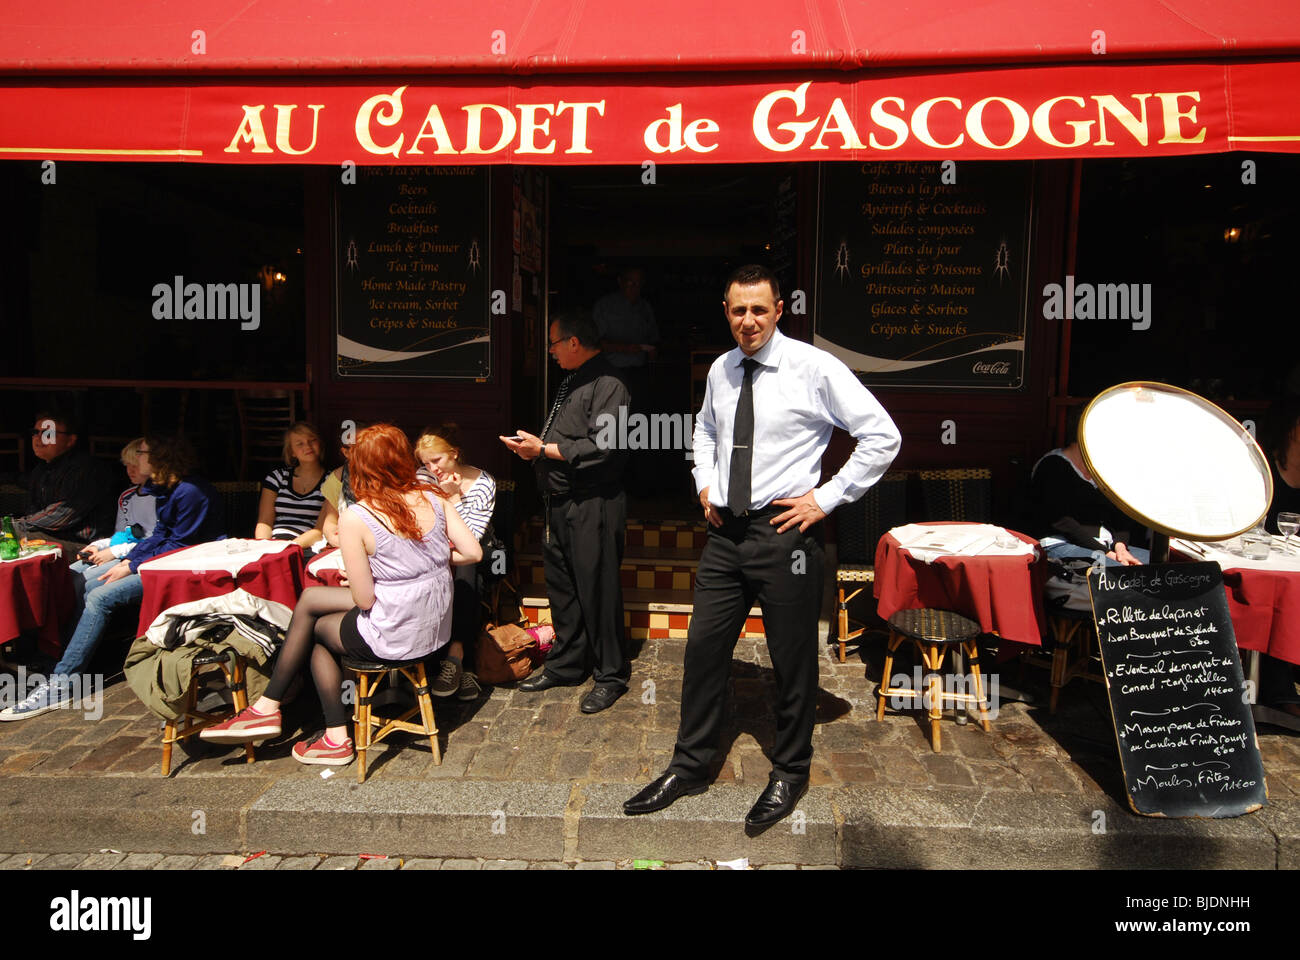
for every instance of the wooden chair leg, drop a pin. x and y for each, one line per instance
(425, 700)
(169, 731)
(361, 735)
(932, 657)
(894, 640)
(972, 654)
(236, 677)
(843, 622)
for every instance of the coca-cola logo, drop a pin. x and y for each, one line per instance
(992, 368)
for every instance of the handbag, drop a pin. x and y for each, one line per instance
(506, 653)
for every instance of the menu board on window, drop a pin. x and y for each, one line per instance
(922, 271)
(412, 274)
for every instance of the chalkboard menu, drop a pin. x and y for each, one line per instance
(922, 271)
(1183, 724)
(412, 271)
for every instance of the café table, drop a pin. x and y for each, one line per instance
(325, 569)
(960, 567)
(1263, 604)
(36, 594)
(269, 569)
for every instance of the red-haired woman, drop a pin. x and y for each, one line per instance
(396, 542)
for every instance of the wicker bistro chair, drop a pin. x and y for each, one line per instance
(859, 527)
(1072, 653)
(232, 665)
(933, 632)
(240, 499)
(369, 729)
(960, 494)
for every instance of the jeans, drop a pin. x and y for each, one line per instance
(1059, 549)
(101, 601)
(89, 577)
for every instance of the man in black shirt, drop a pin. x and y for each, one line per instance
(69, 498)
(585, 517)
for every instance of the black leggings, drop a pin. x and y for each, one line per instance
(314, 632)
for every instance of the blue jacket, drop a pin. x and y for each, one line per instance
(189, 513)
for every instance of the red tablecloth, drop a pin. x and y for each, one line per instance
(1003, 594)
(1264, 606)
(36, 594)
(277, 576)
(328, 577)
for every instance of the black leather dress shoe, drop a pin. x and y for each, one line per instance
(542, 681)
(661, 793)
(775, 803)
(601, 698)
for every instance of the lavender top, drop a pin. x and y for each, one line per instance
(411, 616)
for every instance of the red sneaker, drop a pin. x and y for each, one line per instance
(244, 727)
(318, 751)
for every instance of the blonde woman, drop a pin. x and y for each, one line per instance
(292, 495)
(473, 493)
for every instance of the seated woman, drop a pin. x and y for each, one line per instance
(1072, 518)
(338, 494)
(137, 514)
(473, 493)
(189, 511)
(398, 540)
(291, 495)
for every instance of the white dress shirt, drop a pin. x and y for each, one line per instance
(800, 394)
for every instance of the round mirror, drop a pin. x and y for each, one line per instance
(1174, 461)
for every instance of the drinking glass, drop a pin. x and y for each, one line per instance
(1287, 525)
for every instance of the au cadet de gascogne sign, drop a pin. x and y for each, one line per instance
(1068, 111)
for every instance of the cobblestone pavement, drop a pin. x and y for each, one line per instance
(113, 860)
(543, 737)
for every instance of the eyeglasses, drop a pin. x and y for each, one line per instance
(561, 340)
(143, 452)
(38, 432)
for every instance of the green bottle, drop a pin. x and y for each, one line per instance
(9, 546)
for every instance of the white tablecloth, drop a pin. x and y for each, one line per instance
(928, 542)
(229, 555)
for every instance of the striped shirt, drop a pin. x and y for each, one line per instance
(295, 513)
(476, 504)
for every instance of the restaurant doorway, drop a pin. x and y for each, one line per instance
(686, 228)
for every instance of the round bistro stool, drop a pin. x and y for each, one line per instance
(370, 729)
(232, 666)
(933, 632)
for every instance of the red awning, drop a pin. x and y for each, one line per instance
(564, 81)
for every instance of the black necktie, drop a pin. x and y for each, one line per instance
(742, 443)
(560, 396)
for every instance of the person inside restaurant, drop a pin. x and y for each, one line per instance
(137, 515)
(398, 544)
(189, 511)
(337, 490)
(291, 495)
(1071, 518)
(473, 493)
(1280, 440)
(69, 493)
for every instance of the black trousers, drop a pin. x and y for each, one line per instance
(746, 560)
(582, 557)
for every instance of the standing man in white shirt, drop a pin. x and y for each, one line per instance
(769, 409)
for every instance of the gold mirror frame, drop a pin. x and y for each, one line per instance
(1209, 407)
